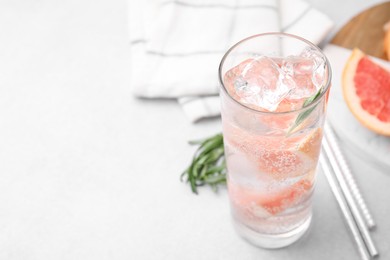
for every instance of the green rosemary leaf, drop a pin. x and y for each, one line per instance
(214, 155)
(211, 144)
(215, 179)
(192, 181)
(198, 164)
(203, 172)
(311, 99)
(216, 169)
(303, 115)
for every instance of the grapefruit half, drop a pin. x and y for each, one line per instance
(366, 90)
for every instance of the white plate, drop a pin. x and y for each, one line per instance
(348, 128)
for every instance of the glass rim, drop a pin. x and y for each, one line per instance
(312, 104)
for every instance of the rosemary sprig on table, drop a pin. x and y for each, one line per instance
(208, 165)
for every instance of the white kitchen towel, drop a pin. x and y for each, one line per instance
(176, 46)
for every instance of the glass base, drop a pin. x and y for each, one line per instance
(272, 240)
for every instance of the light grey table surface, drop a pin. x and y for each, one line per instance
(89, 172)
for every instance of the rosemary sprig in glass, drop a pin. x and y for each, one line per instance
(303, 115)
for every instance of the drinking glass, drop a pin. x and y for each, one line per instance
(274, 90)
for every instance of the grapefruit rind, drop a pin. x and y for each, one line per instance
(353, 100)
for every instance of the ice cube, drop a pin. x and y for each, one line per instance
(306, 71)
(243, 169)
(245, 88)
(318, 67)
(262, 83)
(296, 74)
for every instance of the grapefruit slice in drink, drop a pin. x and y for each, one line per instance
(366, 90)
(250, 201)
(285, 169)
(297, 158)
(278, 157)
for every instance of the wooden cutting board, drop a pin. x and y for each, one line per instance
(365, 31)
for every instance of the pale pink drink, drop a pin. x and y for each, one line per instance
(273, 95)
